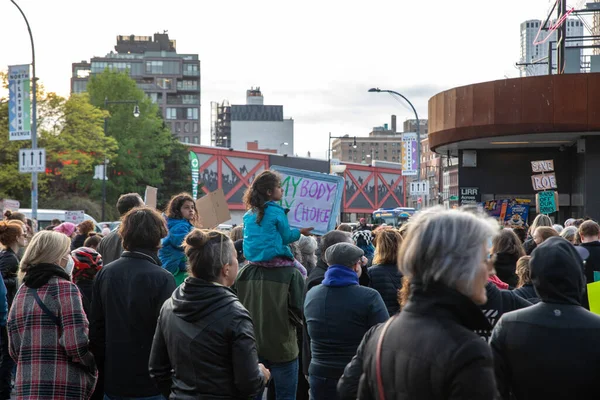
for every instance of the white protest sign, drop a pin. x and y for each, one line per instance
(75, 217)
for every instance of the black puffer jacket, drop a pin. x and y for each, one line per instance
(550, 350)
(204, 345)
(430, 351)
(500, 301)
(387, 280)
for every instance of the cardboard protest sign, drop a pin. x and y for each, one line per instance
(212, 209)
(150, 196)
(8, 204)
(544, 181)
(75, 217)
(546, 202)
(313, 198)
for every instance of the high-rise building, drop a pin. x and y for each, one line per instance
(252, 126)
(538, 53)
(410, 125)
(170, 80)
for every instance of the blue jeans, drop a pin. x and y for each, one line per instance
(157, 397)
(322, 388)
(285, 378)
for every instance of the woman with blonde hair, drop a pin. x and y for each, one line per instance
(540, 220)
(47, 327)
(237, 233)
(384, 274)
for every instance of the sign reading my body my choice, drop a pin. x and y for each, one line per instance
(313, 198)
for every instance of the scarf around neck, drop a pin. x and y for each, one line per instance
(340, 276)
(38, 275)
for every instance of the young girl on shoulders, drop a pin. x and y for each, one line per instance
(267, 232)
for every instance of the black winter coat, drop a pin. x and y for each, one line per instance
(529, 245)
(528, 293)
(9, 266)
(127, 297)
(431, 352)
(499, 302)
(550, 350)
(204, 346)
(387, 280)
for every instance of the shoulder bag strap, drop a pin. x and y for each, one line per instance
(380, 389)
(45, 309)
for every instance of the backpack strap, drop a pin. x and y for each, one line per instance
(380, 389)
(44, 308)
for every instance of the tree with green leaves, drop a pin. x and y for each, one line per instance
(144, 142)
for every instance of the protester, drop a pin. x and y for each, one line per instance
(543, 233)
(384, 274)
(87, 264)
(550, 351)
(338, 313)
(506, 250)
(47, 326)
(82, 233)
(344, 228)
(66, 228)
(271, 286)
(589, 232)
(362, 225)
(540, 220)
(180, 214)
(111, 246)
(105, 229)
(569, 222)
(267, 233)
(316, 276)
(13, 237)
(14, 215)
(558, 228)
(570, 234)
(92, 241)
(525, 287)
(364, 240)
(307, 247)
(204, 327)
(239, 248)
(127, 296)
(429, 349)
(237, 233)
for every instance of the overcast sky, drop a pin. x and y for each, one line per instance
(316, 58)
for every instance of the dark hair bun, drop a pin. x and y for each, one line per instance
(197, 238)
(7, 213)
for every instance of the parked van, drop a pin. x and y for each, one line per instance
(46, 216)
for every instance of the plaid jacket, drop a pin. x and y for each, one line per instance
(54, 362)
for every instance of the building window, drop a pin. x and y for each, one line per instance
(171, 113)
(186, 127)
(154, 67)
(164, 83)
(187, 85)
(190, 99)
(195, 139)
(192, 113)
(195, 127)
(186, 139)
(177, 127)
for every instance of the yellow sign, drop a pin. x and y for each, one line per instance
(593, 292)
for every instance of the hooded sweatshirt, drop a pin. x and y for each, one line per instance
(500, 301)
(550, 350)
(204, 327)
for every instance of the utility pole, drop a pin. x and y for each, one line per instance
(561, 37)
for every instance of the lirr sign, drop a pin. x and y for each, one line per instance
(469, 195)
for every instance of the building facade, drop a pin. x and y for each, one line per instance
(410, 125)
(169, 79)
(252, 126)
(533, 53)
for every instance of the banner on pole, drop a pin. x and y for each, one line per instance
(409, 154)
(194, 165)
(19, 103)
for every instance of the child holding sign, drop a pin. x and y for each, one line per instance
(267, 232)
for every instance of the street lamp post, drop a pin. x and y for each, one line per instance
(136, 113)
(34, 175)
(329, 150)
(377, 90)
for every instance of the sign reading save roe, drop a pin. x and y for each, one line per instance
(313, 198)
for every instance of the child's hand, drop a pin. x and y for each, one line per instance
(306, 231)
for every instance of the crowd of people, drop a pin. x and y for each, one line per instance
(449, 306)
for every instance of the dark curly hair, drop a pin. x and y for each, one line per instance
(173, 209)
(257, 194)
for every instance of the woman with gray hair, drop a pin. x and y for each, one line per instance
(430, 350)
(204, 327)
(570, 233)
